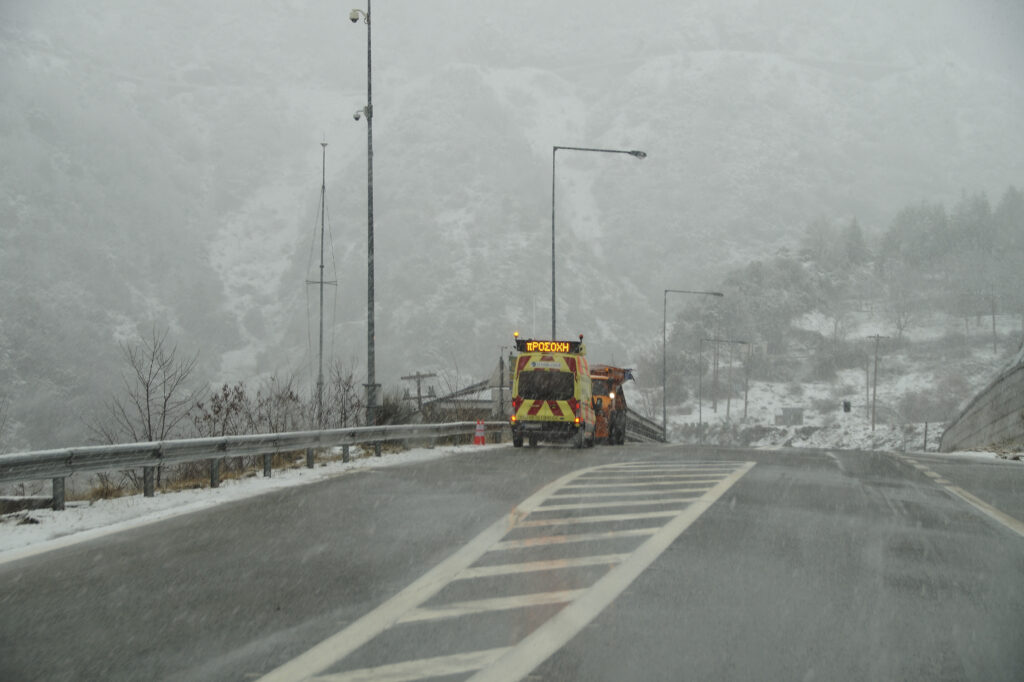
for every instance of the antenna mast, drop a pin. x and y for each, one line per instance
(320, 370)
(321, 282)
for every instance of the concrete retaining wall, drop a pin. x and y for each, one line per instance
(994, 418)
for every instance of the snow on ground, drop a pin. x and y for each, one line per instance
(84, 520)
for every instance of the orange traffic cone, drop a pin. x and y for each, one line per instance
(478, 438)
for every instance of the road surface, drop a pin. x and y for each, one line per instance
(645, 562)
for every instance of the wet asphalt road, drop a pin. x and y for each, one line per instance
(806, 565)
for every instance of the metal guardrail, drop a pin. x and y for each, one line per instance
(59, 464)
(641, 429)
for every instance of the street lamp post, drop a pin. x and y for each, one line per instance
(371, 373)
(664, 362)
(632, 152)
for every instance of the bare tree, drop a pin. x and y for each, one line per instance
(278, 407)
(225, 413)
(343, 403)
(903, 304)
(4, 418)
(156, 398)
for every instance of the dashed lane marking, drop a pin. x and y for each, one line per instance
(659, 483)
(982, 506)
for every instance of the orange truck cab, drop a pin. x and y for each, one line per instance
(551, 394)
(610, 402)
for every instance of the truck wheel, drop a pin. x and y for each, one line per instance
(517, 441)
(533, 441)
(577, 440)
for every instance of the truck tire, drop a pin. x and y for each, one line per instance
(577, 440)
(517, 441)
(533, 441)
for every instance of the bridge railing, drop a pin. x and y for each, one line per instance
(61, 463)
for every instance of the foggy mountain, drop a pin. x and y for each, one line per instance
(161, 166)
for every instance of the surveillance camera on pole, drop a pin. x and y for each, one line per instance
(353, 16)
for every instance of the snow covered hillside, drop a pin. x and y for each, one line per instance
(161, 167)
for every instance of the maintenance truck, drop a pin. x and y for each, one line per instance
(609, 403)
(551, 394)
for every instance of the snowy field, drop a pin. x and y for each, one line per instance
(84, 520)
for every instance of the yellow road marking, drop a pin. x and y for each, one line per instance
(987, 509)
(982, 506)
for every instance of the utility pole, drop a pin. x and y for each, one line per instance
(874, 386)
(746, 381)
(501, 380)
(728, 393)
(716, 342)
(995, 349)
(714, 380)
(867, 388)
(322, 283)
(700, 390)
(418, 377)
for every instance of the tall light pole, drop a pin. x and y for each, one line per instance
(371, 373)
(632, 152)
(664, 365)
(874, 387)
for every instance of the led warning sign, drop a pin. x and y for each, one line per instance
(532, 346)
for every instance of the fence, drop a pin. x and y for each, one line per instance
(59, 464)
(641, 429)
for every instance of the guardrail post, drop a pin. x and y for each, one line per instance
(214, 473)
(149, 481)
(58, 494)
(309, 458)
(344, 453)
(376, 449)
(266, 465)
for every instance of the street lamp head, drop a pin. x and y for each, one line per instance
(638, 154)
